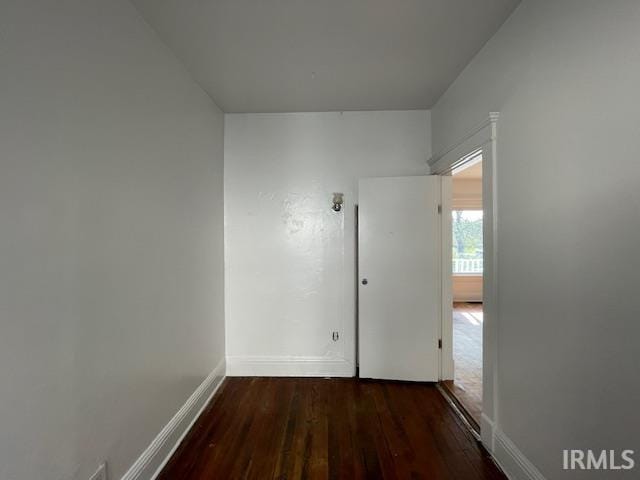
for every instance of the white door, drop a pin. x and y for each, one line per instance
(399, 284)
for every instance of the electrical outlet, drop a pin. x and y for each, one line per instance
(101, 473)
(335, 336)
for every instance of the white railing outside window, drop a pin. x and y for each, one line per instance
(467, 266)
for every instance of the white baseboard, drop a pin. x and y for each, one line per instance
(156, 455)
(487, 428)
(512, 461)
(259, 366)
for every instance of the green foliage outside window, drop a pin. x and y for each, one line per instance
(467, 234)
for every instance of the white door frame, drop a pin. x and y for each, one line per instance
(446, 304)
(482, 137)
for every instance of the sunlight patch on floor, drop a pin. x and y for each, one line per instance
(474, 318)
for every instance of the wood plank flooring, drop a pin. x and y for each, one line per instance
(312, 428)
(467, 354)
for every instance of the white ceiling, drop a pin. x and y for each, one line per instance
(325, 55)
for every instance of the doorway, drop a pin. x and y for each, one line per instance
(466, 280)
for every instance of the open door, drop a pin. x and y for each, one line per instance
(399, 284)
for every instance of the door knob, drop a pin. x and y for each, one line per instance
(365, 281)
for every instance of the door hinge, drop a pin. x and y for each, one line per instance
(439, 343)
(439, 208)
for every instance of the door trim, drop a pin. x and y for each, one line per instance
(446, 283)
(482, 137)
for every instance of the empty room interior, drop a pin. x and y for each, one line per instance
(299, 239)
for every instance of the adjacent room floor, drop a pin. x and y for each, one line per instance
(264, 428)
(467, 355)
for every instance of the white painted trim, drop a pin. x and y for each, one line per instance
(288, 366)
(159, 451)
(473, 140)
(512, 461)
(487, 428)
(483, 137)
(490, 267)
(446, 326)
(506, 454)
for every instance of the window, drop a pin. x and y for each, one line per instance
(467, 242)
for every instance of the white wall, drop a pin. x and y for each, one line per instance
(289, 257)
(111, 252)
(564, 76)
(466, 194)
(467, 288)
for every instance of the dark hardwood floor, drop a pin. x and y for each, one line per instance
(296, 428)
